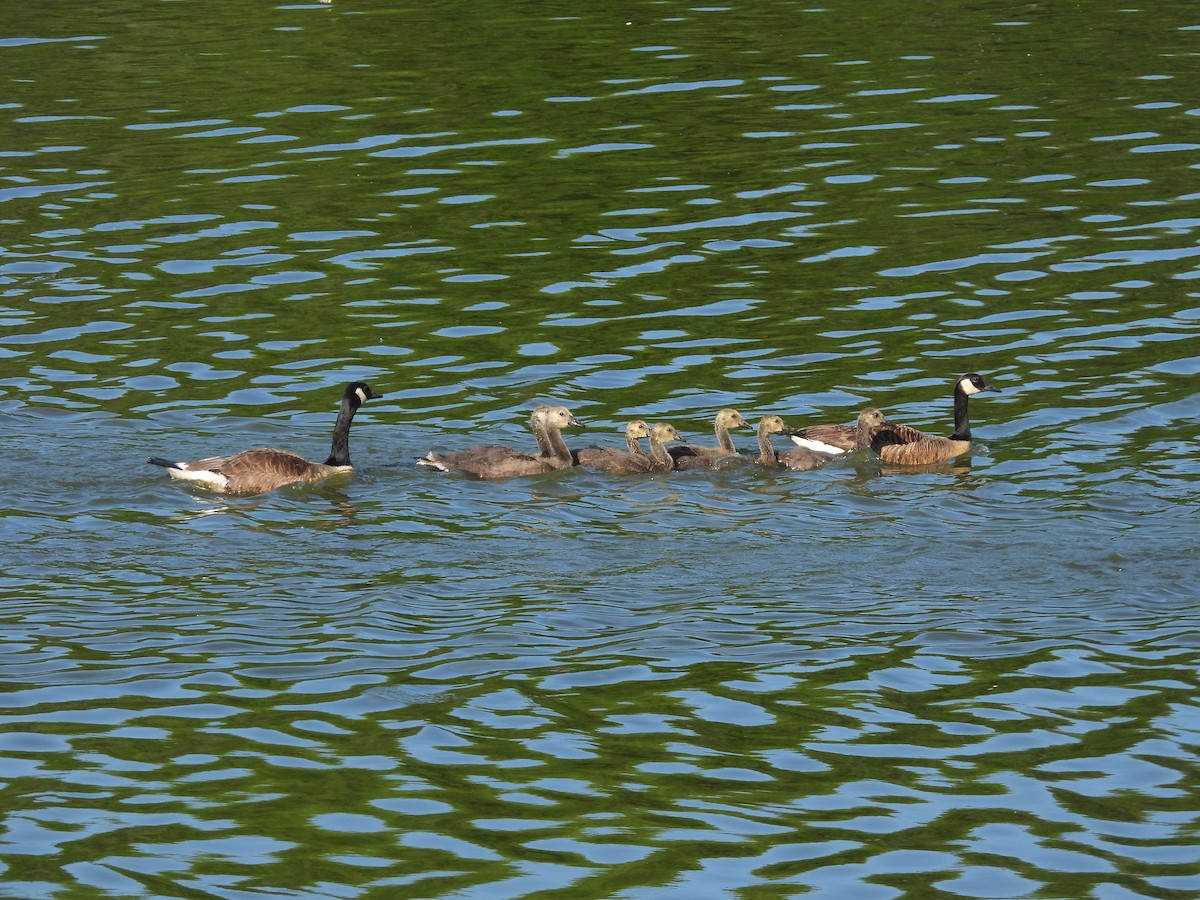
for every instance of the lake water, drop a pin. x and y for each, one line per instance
(973, 681)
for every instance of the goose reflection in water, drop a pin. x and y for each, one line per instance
(342, 511)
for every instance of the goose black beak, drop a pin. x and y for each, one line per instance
(988, 387)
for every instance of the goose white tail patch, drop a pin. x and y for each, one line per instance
(203, 476)
(819, 446)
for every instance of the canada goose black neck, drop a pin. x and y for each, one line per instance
(357, 393)
(971, 383)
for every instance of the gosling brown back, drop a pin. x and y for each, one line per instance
(618, 462)
(493, 461)
(694, 456)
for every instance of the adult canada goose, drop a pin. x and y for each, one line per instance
(691, 456)
(264, 469)
(842, 438)
(491, 461)
(619, 462)
(906, 446)
(801, 459)
(661, 458)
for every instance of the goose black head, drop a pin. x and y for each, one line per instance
(359, 392)
(973, 383)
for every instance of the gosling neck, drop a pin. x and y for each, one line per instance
(862, 435)
(545, 449)
(766, 453)
(724, 441)
(557, 445)
(660, 456)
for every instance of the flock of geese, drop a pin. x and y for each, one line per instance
(264, 469)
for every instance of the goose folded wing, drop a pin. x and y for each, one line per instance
(891, 434)
(840, 436)
(264, 463)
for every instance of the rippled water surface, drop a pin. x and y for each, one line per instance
(973, 680)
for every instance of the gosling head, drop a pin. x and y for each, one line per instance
(871, 418)
(663, 433)
(557, 417)
(637, 429)
(731, 418)
(774, 425)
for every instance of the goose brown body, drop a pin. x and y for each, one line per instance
(834, 438)
(660, 456)
(266, 468)
(890, 443)
(908, 446)
(619, 462)
(693, 456)
(493, 461)
(800, 459)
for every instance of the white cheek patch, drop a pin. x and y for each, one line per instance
(362, 396)
(967, 387)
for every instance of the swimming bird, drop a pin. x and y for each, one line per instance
(660, 435)
(801, 459)
(492, 461)
(692, 456)
(842, 438)
(619, 462)
(905, 445)
(264, 469)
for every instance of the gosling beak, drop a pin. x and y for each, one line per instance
(574, 422)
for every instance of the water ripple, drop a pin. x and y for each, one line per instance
(974, 679)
